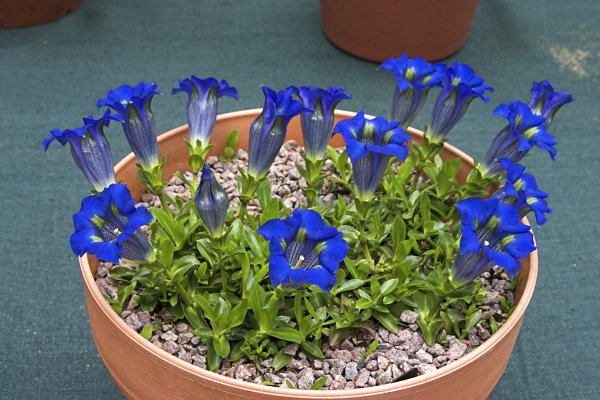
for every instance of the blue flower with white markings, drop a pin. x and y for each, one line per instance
(303, 249)
(132, 105)
(414, 78)
(546, 101)
(492, 234)
(107, 226)
(203, 104)
(317, 125)
(370, 144)
(267, 132)
(521, 190)
(89, 149)
(460, 87)
(212, 202)
(524, 131)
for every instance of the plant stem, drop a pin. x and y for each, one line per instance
(164, 202)
(361, 209)
(220, 260)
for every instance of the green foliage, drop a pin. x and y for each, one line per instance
(402, 244)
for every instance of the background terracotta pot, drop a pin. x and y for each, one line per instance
(16, 13)
(379, 29)
(143, 371)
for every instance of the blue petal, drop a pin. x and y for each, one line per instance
(336, 249)
(315, 276)
(508, 262)
(279, 270)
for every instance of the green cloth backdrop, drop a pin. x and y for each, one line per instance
(51, 76)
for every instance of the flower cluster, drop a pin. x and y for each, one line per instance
(303, 250)
(370, 144)
(387, 224)
(108, 226)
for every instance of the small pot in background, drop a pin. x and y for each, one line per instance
(378, 29)
(19, 13)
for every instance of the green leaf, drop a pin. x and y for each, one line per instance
(193, 318)
(494, 326)
(146, 333)
(281, 360)
(231, 144)
(221, 345)
(183, 264)
(238, 314)
(362, 303)
(425, 205)
(313, 349)
(350, 284)
(289, 334)
(388, 321)
(472, 320)
(149, 298)
(388, 286)
(174, 228)
(122, 273)
(319, 383)
(206, 307)
(213, 360)
(398, 235)
(252, 241)
(166, 249)
(371, 349)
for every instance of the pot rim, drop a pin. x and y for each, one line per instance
(511, 322)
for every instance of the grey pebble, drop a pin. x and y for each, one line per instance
(351, 371)
(409, 317)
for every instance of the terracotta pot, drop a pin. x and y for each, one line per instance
(16, 13)
(143, 371)
(378, 29)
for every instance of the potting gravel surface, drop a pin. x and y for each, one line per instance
(397, 357)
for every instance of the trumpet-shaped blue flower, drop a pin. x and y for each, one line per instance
(318, 124)
(267, 132)
(107, 226)
(370, 144)
(132, 105)
(303, 249)
(524, 130)
(521, 190)
(414, 78)
(89, 149)
(492, 234)
(460, 87)
(203, 103)
(546, 101)
(212, 202)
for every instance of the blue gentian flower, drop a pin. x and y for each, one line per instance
(267, 132)
(460, 87)
(414, 78)
(303, 250)
(524, 130)
(492, 234)
(107, 226)
(132, 105)
(203, 103)
(318, 124)
(89, 149)
(521, 190)
(546, 101)
(370, 144)
(212, 202)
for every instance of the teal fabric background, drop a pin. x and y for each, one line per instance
(52, 75)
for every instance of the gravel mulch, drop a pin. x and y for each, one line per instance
(397, 356)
